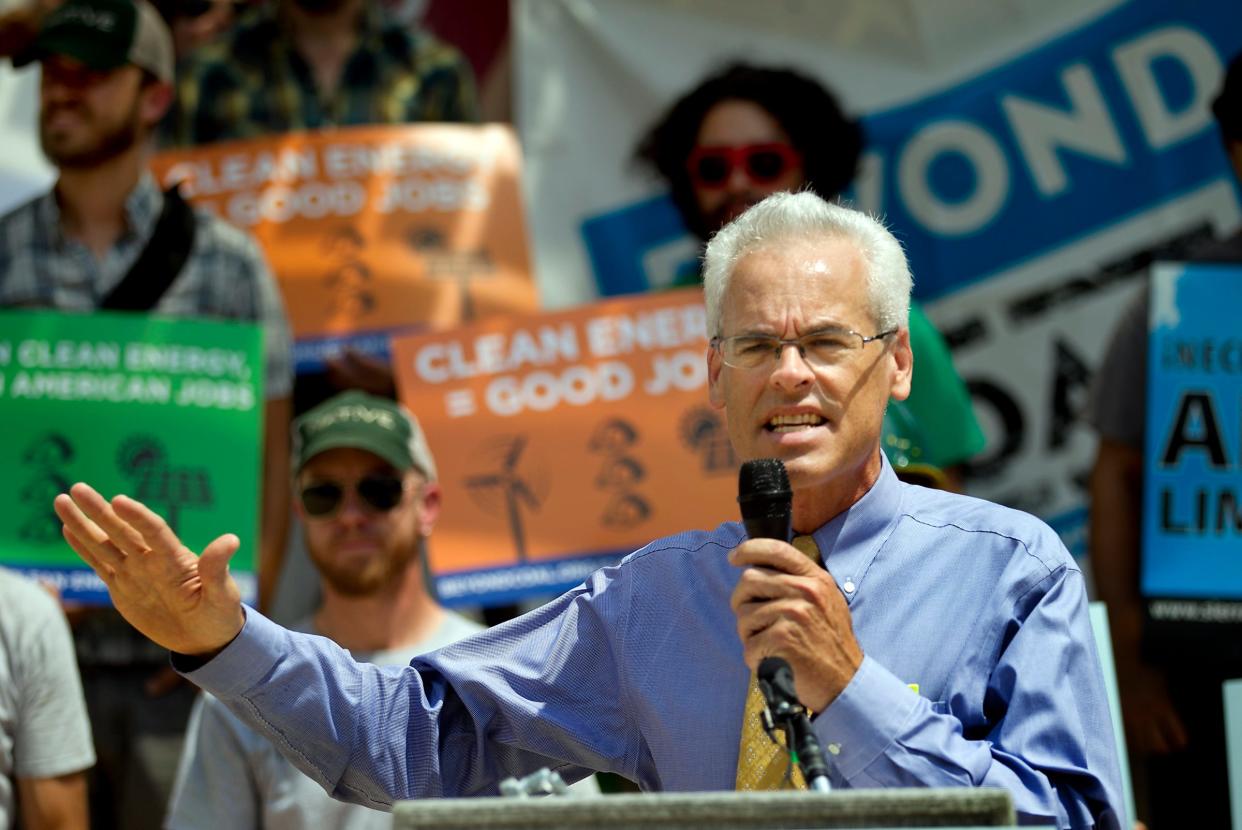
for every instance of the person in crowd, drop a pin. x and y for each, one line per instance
(195, 23)
(106, 237)
(750, 131)
(45, 737)
(310, 64)
(293, 65)
(938, 640)
(1173, 712)
(367, 498)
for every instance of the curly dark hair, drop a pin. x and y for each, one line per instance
(1228, 104)
(829, 141)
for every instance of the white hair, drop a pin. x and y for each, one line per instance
(784, 217)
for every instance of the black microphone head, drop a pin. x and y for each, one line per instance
(766, 499)
(778, 675)
(769, 666)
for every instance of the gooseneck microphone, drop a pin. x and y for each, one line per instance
(766, 499)
(776, 683)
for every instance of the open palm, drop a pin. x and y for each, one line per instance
(184, 602)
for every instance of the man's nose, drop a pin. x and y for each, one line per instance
(352, 512)
(738, 180)
(791, 370)
(54, 89)
(57, 88)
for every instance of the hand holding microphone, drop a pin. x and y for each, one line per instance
(787, 605)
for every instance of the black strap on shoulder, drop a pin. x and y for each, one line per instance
(160, 261)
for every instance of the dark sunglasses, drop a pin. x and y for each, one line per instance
(763, 163)
(380, 493)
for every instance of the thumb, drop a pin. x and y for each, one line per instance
(213, 565)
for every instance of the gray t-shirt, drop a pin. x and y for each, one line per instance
(231, 776)
(44, 730)
(1118, 403)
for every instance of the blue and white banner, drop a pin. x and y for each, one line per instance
(1192, 501)
(1034, 158)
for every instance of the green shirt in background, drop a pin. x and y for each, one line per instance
(939, 403)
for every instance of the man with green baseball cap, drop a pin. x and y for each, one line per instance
(367, 498)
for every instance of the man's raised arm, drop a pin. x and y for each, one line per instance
(186, 603)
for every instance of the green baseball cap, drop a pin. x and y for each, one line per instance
(104, 35)
(360, 421)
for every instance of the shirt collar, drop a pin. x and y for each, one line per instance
(47, 212)
(143, 205)
(849, 541)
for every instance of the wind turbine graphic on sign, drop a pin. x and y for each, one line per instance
(490, 490)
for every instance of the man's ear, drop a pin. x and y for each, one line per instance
(156, 99)
(428, 507)
(903, 360)
(714, 366)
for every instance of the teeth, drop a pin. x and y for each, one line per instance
(806, 419)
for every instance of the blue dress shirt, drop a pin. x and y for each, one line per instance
(639, 671)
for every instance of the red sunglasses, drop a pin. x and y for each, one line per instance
(763, 163)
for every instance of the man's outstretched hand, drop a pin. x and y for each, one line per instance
(184, 602)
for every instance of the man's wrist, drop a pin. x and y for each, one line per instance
(186, 663)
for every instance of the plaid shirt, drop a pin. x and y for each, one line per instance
(225, 276)
(253, 83)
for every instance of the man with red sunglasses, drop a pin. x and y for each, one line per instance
(367, 499)
(748, 132)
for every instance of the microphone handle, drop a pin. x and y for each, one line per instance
(768, 527)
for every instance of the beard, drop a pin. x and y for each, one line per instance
(110, 141)
(381, 571)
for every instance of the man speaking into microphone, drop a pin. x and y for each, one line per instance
(937, 640)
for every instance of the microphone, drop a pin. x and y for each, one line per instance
(776, 683)
(766, 499)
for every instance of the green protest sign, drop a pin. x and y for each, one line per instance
(168, 411)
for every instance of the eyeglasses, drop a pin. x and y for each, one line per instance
(763, 163)
(820, 349)
(380, 493)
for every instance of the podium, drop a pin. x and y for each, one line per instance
(713, 811)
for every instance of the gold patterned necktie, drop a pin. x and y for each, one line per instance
(762, 764)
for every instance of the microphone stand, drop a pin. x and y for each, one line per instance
(783, 709)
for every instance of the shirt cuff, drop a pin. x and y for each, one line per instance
(865, 719)
(242, 664)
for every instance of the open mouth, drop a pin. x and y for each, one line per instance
(794, 423)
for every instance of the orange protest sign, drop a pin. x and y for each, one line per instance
(566, 438)
(374, 228)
